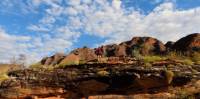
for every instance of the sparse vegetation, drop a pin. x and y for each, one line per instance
(72, 75)
(169, 76)
(64, 64)
(146, 48)
(3, 77)
(153, 58)
(136, 54)
(36, 65)
(174, 55)
(196, 58)
(102, 73)
(187, 61)
(81, 62)
(147, 64)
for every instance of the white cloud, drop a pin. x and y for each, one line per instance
(116, 4)
(37, 28)
(48, 20)
(63, 25)
(155, 1)
(165, 22)
(12, 45)
(71, 11)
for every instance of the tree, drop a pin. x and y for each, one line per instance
(22, 60)
(13, 60)
(18, 62)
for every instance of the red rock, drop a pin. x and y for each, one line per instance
(144, 45)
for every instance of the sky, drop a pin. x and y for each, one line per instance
(40, 28)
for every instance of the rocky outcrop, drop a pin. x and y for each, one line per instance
(143, 45)
(169, 45)
(70, 60)
(85, 54)
(75, 57)
(53, 60)
(188, 43)
(133, 48)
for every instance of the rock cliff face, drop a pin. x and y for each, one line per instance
(188, 43)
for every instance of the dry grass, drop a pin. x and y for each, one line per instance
(196, 58)
(102, 73)
(153, 58)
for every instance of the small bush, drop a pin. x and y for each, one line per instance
(102, 73)
(170, 65)
(183, 94)
(169, 76)
(36, 65)
(187, 62)
(72, 75)
(147, 64)
(175, 55)
(82, 62)
(3, 77)
(136, 54)
(196, 58)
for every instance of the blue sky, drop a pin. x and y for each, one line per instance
(39, 28)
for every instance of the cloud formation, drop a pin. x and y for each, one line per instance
(12, 45)
(65, 21)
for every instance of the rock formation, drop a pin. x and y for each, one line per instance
(85, 54)
(144, 46)
(188, 43)
(169, 45)
(53, 60)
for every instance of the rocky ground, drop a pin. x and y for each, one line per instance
(104, 80)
